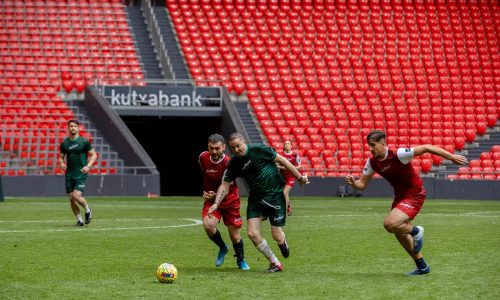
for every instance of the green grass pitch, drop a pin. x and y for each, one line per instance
(339, 250)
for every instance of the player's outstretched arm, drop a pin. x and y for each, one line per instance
(290, 167)
(359, 184)
(457, 159)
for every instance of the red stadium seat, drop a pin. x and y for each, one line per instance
(426, 165)
(348, 65)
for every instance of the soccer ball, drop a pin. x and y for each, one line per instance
(166, 273)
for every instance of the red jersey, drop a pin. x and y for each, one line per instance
(294, 158)
(212, 177)
(403, 178)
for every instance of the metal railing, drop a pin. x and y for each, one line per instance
(159, 45)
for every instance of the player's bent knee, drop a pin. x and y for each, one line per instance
(390, 226)
(209, 225)
(253, 235)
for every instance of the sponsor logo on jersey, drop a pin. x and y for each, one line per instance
(385, 168)
(246, 164)
(212, 171)
(73, 146)
(81, 185)
(407, 150)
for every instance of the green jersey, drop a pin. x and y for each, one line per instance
(257, 166)
(76, 156)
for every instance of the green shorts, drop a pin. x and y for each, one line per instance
(75, 184)
(271, 206)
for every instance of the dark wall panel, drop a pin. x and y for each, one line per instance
(97, 185)
(174, 144)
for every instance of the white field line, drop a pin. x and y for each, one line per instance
(493, 214)
(195, 223)
(100, 220)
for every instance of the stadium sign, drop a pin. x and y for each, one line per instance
(163, 100)
(153, 99)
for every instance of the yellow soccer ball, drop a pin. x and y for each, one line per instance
(166, 273)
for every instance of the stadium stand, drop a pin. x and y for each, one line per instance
(323, 73)
(48, 50)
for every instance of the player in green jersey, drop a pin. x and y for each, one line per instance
(257, 164)
(73, 158)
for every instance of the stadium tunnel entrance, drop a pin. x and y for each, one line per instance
(174, 144)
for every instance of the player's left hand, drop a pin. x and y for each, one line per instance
(85, 170)
(289, 209)
(209, 195)
(460, 160)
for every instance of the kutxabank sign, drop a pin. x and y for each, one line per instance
(162, 98)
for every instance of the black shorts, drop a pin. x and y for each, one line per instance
(271, 206)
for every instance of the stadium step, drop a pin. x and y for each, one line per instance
(491, 138)
(171, 44)
(248, 121)
(99, 143)
(144, 43)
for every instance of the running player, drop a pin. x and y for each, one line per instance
(213, 164)
(409, 192)
(73, 158)
(293, 158)
(257, 164)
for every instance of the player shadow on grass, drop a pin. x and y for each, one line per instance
(376, 274)
(193, 273)
(212, 270)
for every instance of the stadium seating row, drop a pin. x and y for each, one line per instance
(40, 41)
(424, 72)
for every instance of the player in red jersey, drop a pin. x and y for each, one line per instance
(294, 158)
(409, 192)
(213, 164)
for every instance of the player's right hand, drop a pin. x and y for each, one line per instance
(211, 210)
(349, 179)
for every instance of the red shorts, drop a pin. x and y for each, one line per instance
(412, 205)
(289, 180)
(230, 215)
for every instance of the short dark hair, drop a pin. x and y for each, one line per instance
(376, 135)
(215, 138)
(73, 121)
(236, 135)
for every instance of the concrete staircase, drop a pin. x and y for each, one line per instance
(144, 44)
(99, 143)
(169, 38)
(248, 121)
(473, 150)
